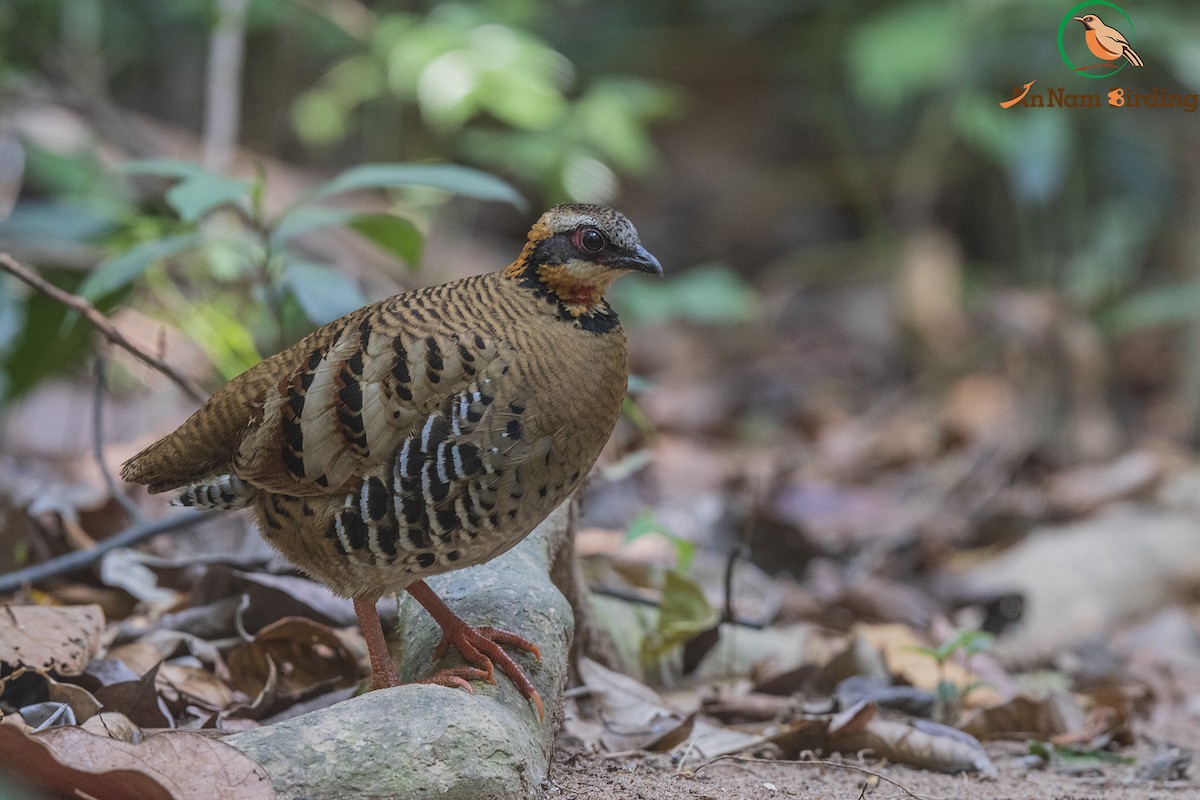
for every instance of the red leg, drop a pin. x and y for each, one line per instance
(383, 671)
(479, 646)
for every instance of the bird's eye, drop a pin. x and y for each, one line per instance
(590, 240)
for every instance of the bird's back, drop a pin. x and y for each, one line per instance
(424, 432)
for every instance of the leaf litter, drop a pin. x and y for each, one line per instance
(800, 560)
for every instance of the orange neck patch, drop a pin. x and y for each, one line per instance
(579, 296)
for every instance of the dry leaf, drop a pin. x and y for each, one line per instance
(82, 702)
(59, 639)
(1025, 717)
(905, 740)
(175, 765)
(113, 725)
(138, 700)
(632, 715)
(197, 686)
(289, 660)
(140, 657)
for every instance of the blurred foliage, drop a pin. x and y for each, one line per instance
(232, 281)
(792, 127)
(497, 95)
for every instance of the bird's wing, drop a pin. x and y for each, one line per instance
(355, 394)
(313, 418)
(450, 480)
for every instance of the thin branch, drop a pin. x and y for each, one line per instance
(81, 559)
(102, 323)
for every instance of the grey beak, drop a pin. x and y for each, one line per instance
(640, 260)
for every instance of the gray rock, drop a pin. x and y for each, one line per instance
(420, 741)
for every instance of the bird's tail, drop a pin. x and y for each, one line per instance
(1132, 57)
(223, 492)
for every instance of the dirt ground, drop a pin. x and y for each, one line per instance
(652, 777)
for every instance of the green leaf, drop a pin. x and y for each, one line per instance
(683, 613)
(196, 196)
(905, 49)
(52, 338)
(1165, 305)
(645, 523)
(321, 291)
(396, 235)
(121, 270)
(1077, 755)
(449, 177)
(303, 219)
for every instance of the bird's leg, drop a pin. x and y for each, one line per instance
(479, 646)
(383, 671)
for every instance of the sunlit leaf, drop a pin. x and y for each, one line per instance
(321, 291)
(449, 177)
(683, 612)
(396, 235)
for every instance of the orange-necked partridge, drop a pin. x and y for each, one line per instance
(426, 432)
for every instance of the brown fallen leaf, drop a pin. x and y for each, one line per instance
(193, 685)
(81, 701)
(113, 725)
(140, 657)
(632, 716)
(906, 740)
(1025, 717)
(290, 660)
(58, 639)
(175, 765)
(138, 700)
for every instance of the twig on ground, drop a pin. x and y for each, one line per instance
(85, 558)
(817, 762)
(102, 323)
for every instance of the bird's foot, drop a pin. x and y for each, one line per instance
(481, 647)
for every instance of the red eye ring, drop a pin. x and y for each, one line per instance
(590, 240)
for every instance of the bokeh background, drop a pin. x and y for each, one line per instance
(902, 327)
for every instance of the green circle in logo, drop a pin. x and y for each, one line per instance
(1069, 17)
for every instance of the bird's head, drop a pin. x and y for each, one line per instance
(575, 252)
(1091, 21)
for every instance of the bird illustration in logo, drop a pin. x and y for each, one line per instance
(1107, 43)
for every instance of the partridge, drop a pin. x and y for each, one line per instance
(427, 432)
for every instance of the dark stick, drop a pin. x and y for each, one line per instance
(102, 323)
(80, 559)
